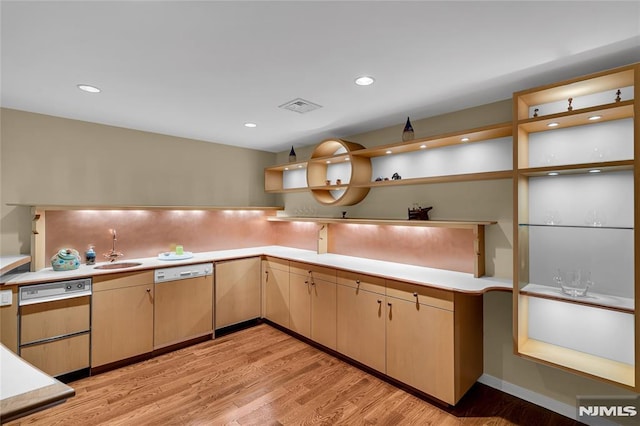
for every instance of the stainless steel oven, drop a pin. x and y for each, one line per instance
(54, 321)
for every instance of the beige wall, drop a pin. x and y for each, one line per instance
(51, 160)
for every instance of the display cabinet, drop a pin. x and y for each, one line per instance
(576, 211)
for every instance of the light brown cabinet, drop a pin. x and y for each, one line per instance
(237, 291)
(312, 301)
(360, 319)
(275, 285)
(122, 317)
(300, 304)
(323, 313)
(434, 339)
(42, 326)
(9, 322)
(183, 310)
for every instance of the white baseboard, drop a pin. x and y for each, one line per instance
(530, 396)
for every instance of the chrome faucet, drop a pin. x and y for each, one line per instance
(113, 255)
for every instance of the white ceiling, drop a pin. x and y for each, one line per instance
(202, 69)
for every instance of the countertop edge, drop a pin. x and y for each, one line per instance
(25, 403)
(475, 285)
(9, 263)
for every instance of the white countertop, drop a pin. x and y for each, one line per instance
(24, 388)
(449, 280)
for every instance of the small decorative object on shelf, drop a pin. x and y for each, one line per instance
(344, 215)
(407, 133)
(379, 179)
(292, 155)
(419, 213)
(327, 182)
(535, 112)
(574, 283)
(396, 176)
(618, 98)
(570, 107)
(338, 181)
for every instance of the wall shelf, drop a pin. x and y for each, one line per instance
(136, 207)
(359, 157)
(605, 301)
(460, 224)
(580, 168)
(613, 111)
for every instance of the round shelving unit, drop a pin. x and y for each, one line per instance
(331, 160)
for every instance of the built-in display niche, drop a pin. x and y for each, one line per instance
(478, 157)
(581, 101)
(594, 143)
(576, 251)
(334, 175)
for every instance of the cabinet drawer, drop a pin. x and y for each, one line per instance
(318, 272)
(361, 281)
(122, 280)
(425, 295)
(275, 263)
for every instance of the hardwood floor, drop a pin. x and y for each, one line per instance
(262, 376)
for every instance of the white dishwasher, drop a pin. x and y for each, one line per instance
(183, 306)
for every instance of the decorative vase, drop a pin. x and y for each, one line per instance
(65, 260)
(407, 133)
(292, 155)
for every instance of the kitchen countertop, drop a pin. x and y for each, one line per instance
(439, 278)
(24, 388)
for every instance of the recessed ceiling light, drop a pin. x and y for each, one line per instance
(347, 159)
(286, 168)
(88, 88)
(250, 125)
(365, 80)
(554, 124)
(464, 140)
(553, 173)
(595, 117)
(595, 171)
(328, 161)
(423, 146)
(300, 166)
(388, 151)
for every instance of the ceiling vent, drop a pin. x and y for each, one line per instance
(299, 105)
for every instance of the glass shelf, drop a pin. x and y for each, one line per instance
(574, 226)
(623, 304)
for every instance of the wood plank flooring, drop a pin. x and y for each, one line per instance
(262, 376)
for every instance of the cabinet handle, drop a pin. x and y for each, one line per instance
(379, 302)
(389, 304)
(148, 290)
(306, 281)
(358, 282)
(415, 294)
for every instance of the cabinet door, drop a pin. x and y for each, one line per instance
(276, 294)
(237, 291)
(323, 313)
(122, 323)
(300, 304)
(183, 310)
(420, 349)
(361, 326)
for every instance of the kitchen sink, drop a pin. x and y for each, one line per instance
(118, 265)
